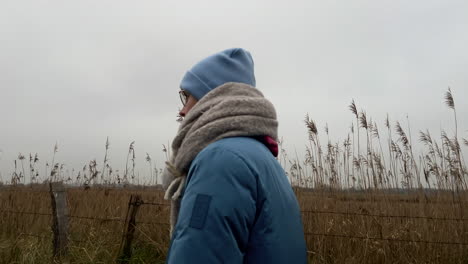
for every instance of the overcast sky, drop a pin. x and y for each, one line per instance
(75, 72)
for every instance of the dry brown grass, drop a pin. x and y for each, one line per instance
(97, 217)
(345, 219)
(364, 200)
(336, 224)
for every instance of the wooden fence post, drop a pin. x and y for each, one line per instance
(59, 219)
(129, 228)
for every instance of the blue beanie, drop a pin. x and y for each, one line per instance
(231, 65)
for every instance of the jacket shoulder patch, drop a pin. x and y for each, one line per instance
(200, 211)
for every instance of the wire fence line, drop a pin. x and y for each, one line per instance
(104, 219)
(388, 239)
(456, 199)
(385, 216)
(71, 216)
(45, 192)
(115, 219)
(390, 200)
(118, 219)
(152, 223)
(424, 196)
(156, 204)
(50, 237)
(25, 212)
(354, 214)
(33, 235)
(449, 243)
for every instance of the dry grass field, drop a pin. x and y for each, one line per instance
(366, 199)
(340, 226)
(96, 225)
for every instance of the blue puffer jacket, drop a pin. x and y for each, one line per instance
(238, 207)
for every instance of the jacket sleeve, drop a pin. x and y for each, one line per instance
(217, 210)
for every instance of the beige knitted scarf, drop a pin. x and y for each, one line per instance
(232, 109)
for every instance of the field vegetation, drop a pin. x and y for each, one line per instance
(367, 199)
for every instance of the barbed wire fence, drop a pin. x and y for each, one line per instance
(130, 225)
(60, 247)
(118, 219)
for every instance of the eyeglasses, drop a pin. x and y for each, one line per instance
(183, 97)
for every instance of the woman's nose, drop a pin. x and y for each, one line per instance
(182, 112)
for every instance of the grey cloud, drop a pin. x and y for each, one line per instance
(77, 72)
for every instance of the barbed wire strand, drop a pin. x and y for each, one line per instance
(345, 198)
(118, 219)
(151, 223)
(387, 239)
(24, 212)
(69, 239)
(33, 235)
(385, 216)
(307, 233)
(152, 203)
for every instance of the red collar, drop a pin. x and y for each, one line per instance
(270, 143)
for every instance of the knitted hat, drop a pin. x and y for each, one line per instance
(231, 65)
